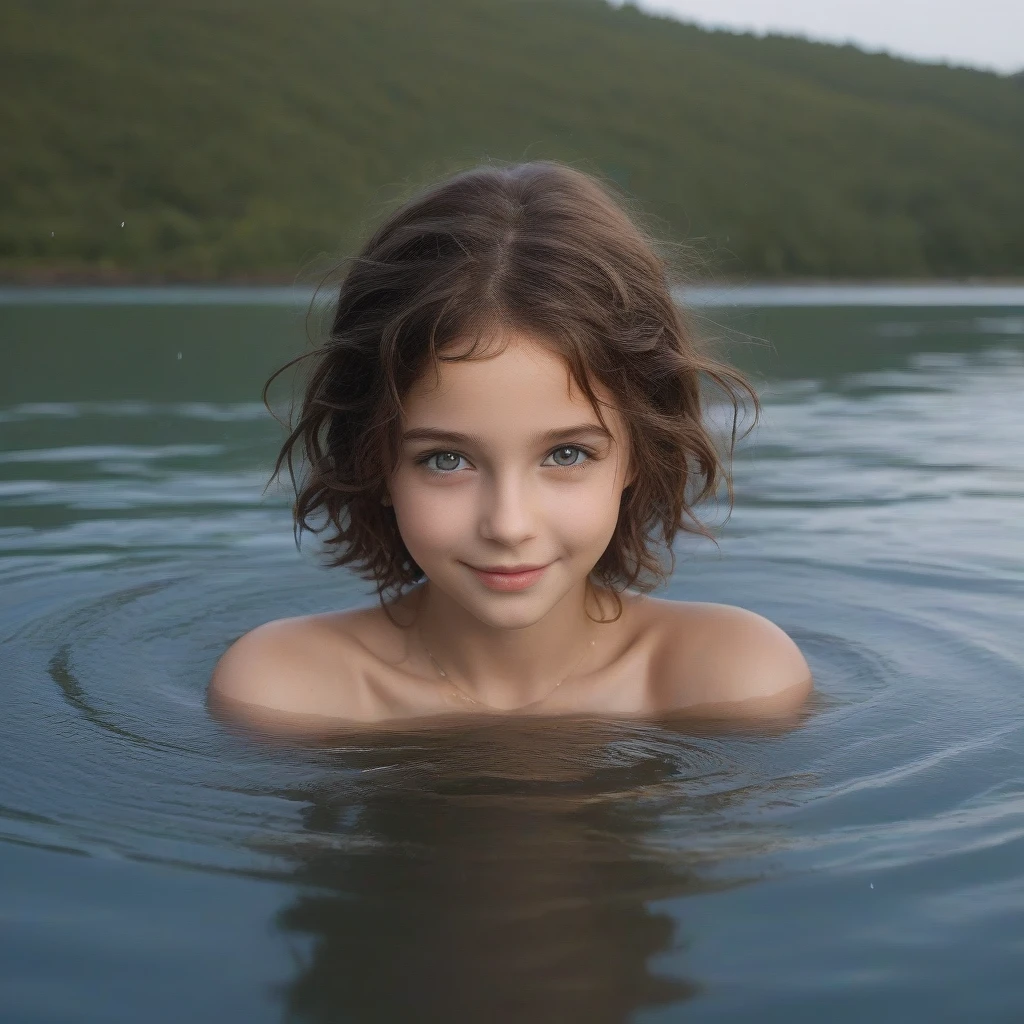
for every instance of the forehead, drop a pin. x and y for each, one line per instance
(512, 382)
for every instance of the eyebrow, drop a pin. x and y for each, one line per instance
(454, 437)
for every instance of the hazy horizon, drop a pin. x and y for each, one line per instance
(986, 36)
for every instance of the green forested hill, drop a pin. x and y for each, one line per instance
(243, 137)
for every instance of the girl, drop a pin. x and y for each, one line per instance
(507, 410)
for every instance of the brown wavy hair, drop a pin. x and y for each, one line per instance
(539, 248)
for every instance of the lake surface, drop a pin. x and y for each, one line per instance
(868, 865)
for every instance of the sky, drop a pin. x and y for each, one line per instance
(986, 34)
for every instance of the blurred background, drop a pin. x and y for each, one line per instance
(221, 140)
(173, 179)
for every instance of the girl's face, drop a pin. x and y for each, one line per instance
(503, 464)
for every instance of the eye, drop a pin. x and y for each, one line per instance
(566, 456)
(571, 453)
(446, 462)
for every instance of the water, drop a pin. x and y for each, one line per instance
(157, 867)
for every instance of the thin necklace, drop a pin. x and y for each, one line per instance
(460, 692)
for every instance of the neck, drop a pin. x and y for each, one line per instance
(507, 667)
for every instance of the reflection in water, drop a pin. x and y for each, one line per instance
(497, 872)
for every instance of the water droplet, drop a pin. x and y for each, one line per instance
(179, 355)
(122, 223)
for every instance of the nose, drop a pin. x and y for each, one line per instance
(508, 513)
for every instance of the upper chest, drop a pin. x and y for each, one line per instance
(379, 680)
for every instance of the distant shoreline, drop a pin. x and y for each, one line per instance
(43, 279)
(782, 294)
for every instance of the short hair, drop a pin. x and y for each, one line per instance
(539, 248)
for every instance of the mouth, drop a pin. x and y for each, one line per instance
(522, 567)
(509, 578)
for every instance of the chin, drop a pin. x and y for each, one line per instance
(505, 611)
(509, 622)
(511, 610)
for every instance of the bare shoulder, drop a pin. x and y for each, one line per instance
(289, 669)
(725, 660)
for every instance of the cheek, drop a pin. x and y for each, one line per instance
(429, 518)
(585, 517)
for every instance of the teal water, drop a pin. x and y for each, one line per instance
(867, 865)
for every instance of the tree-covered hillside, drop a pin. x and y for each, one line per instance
(244, 137)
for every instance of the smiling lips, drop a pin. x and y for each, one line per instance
(508, 578)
